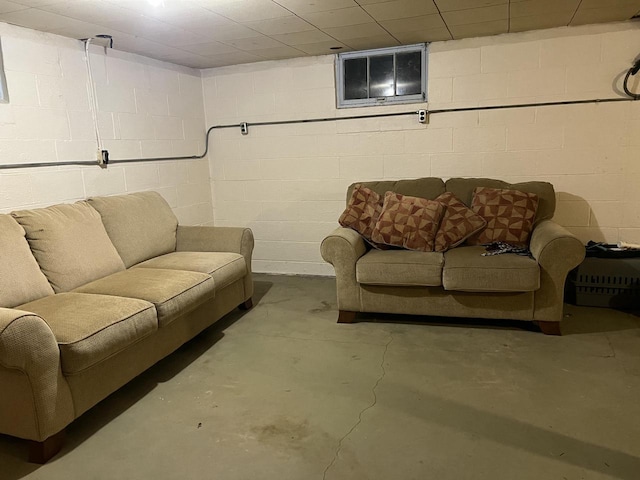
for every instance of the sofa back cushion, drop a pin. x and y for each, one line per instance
(463, 189)
(70, 244)
(21, 279)
(428, 188)
(140, 225)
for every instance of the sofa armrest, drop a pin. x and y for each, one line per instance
(36, 401)
(219, 239)
(557, 252)
(342, 248)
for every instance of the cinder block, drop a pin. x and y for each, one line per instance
(430, 140)
(103, 181)
(534, 137)
(143, 176)
(51, 187)
(15, 189)
(22, 88)
(76, 150)
(510, 57)
(407, 166)
(113, 98)
(41, 123)
(168, 128)
(572, 214)
(151, 103)
(134, 126)
(362, 168)
(479, 139)
(454, 63)
(456, 164)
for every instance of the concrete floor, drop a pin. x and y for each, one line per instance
(283, 392)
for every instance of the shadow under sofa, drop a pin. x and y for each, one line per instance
(94, 293)
(459, 282)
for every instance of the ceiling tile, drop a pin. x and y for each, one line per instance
(420, 36)
(400, 9)
(279, 53)
(37, 19)
(537, 22)
(424, 22)
(38, 3)
(174, 36)
(528, 8)
(302, 38)
(254, 43)
(479, 29)
(596, 15)
(451, 5)
(209, 48)
(614, 4)
(338, 18)
(6, 7)
(311, 6)
(476, 15)
(356, 31)
(249, 10)
(232, 32)
(224, 59)
(281, 25)
(367, 43)
(323, 48)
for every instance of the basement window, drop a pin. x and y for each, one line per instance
(4, 93)
(382, 76)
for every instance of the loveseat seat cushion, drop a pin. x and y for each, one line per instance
(466, 270)
(400, 268)
(173, 292)
(70, 244)
(141, 225)
(91, 328)
(224, 267)
(21, 279)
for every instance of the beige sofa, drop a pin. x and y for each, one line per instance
(94, 293)
(459, 282)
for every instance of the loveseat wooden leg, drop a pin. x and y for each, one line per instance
(346, 316)
(549, 328)
(247, 305)
(41, 452)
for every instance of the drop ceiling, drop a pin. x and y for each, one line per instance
(213, 33)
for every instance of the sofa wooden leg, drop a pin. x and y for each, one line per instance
(549, 328)
(246, 305)
(41, 452)
(346, 316)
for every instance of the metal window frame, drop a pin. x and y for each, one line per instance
(4, 91)
(390, 100)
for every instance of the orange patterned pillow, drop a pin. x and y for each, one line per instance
(509, 214)
(362, 211)
(458, 223)
(408, 222)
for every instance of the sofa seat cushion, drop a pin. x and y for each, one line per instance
(400, 267)
(173, 292)
(224, 267)
(91, 328)
(466, 270)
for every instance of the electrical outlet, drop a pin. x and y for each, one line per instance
(244, 128)
(422, 116)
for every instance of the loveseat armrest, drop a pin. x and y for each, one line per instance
(342, 248)
(219, 239)
(557, 251)
(36, 401)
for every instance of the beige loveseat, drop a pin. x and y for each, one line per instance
(94, 293)
(459, 282)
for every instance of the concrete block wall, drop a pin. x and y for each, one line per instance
(146, 108)
(288, 182)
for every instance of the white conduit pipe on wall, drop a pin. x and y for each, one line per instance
(93, 105)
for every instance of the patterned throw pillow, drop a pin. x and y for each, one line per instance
(408, 222)
(362, 211)
(509, 214)
(458, 223)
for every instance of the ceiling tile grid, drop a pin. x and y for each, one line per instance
(213, 33)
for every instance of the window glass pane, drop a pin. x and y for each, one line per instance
(408, 73)
(381, 76)
(355, 78)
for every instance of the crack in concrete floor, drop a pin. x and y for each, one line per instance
(368, 407)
